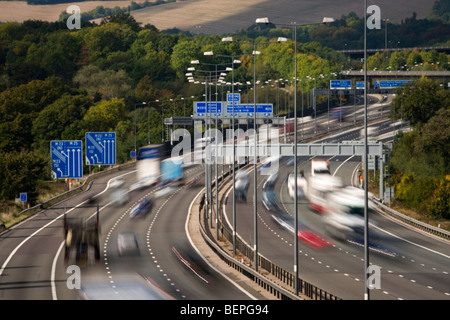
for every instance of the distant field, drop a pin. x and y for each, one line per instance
(219, 17)
(20, 11)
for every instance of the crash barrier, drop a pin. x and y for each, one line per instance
(265, 283)
(276, 271)
(413, 222)
(86, 185)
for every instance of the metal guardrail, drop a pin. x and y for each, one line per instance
(85, 186)
(276, 271)
(262, 281)
(411, 221)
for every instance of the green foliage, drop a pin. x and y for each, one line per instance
(57, 120)
(420, 159)
(57, 84)
(104, 115)
(418, 101)
(440, 203)
(21, 172)
(107, 84)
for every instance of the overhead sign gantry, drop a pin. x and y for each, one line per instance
(224, 109)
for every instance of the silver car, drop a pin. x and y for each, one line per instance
(127, 244)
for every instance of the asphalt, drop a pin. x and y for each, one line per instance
(254, 290)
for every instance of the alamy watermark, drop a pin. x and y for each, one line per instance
(207, 146)
(74, 20)
(74, 280)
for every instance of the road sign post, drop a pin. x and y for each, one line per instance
(100, 148)
(23, 197)
(67, 158)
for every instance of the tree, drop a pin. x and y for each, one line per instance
(145, 90)
(183, 53)
(104, 115)
(418, 101)
(123, 18)
(108, 38)
(54, 119)
(19, 106)
(108, 83)
(21, 172)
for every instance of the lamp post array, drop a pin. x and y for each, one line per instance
(255, 211)
(294, 26)
(218, 75)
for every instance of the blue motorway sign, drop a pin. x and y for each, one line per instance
(200, 109)
(341, 84)
(240, 110)
(100, 148)
(249, 109)
(389, 84)
(236, 97)
(67, 158)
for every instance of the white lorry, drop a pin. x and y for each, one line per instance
(320, 166)
(319, 186)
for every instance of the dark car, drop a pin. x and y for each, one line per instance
(242, 184)
(142, 208)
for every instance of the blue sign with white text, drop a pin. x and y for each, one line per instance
(67, 158)
(212, 108)
(100, 148)
(249, 108)
(236, 97)
(340, 84)
(389, 84)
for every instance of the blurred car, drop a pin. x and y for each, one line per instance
(129, 286)
(242, 184)
(127, 244)
(116, 182)
(345, 213)
(301, 186)
(312, 239)
(142, 208)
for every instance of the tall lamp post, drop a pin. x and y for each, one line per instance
(255, 212)
(197, 62)
(135, 125)
(233, 62)
(294, 25)
(148, 119)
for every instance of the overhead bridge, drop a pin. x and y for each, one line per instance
(224, 152)
(346, 148)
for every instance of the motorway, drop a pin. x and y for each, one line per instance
(413, 265)
(32, 264)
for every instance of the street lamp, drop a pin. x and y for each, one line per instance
(385, 32)
(265, 20)
(233, 61)
(148, 119)
(255, 212)
(207, 190)
(135, 146)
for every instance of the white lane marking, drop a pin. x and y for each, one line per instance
(42, 228)
(186, 228)
(53, 271)
(342, 164)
